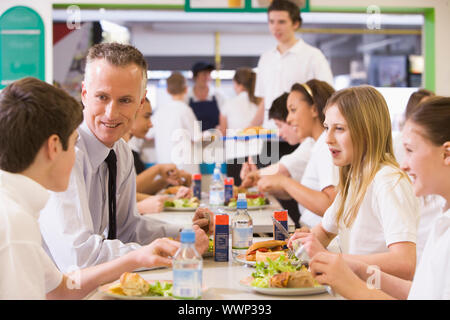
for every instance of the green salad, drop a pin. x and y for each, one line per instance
(265, 271)
(256, 202)
(182, 203)
(163, 289)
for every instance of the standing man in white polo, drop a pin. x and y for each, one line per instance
(291, 61)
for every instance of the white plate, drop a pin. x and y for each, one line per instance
(179, 209)
(282, 291)
(104, 289)
(241, 259)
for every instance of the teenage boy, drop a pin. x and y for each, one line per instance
(291, 61)
(37, 151)
(96, 219)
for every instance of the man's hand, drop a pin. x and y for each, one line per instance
(157, 253)
(204, 218)
(201, 239)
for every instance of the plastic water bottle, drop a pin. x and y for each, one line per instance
(187, 269)
(216, 189)
(242, 227)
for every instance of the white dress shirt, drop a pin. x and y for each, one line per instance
(432, 277)
(278, 72)
(26, 271)
(74, 223)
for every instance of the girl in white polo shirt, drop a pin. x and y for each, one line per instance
(426, 139)
(316, 190)
(375, 212)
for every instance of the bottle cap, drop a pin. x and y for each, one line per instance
(197, 176)
(241, 201)
(187, 236)
(216, 175)
(228, 181)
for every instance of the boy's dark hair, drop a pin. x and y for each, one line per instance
(30, 112)
(278, 110)
(176, 83)
(285, 5)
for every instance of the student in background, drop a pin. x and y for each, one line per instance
(205, 101)
(291, 61)
(290, 165)
(426, 139)
(375, 212)
(239, 111)
(177, 131)
(38, 125)
(159, 176)
(315, 191)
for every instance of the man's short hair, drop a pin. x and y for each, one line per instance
(287, 5)
(176, 83)
(119, 55)
(278, 110)
(30, 112)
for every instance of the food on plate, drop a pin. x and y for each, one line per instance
(192, 202)
(254, 199)
(269, 248)
(172, 190)
(132, 284)
(280, 273)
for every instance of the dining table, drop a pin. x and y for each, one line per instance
(222, 281)
(261, 217)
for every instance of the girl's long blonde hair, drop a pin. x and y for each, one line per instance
(369, 123)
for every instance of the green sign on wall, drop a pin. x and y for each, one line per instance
(235, 5)
(22, 45)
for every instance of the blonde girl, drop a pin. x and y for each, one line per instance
(426, 139)
(375, 212)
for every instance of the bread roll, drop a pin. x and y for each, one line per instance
(300, 279)
(262, 256)
(133, 284)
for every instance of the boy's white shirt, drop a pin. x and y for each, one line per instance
(432, 277)
(176, 115)
(278, 72)
(389, 213)
(26, 271)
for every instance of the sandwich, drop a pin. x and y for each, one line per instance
(262, 250)
(297, 279)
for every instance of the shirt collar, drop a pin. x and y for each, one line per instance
(25, 191)
(297, 47)
(96, 150)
